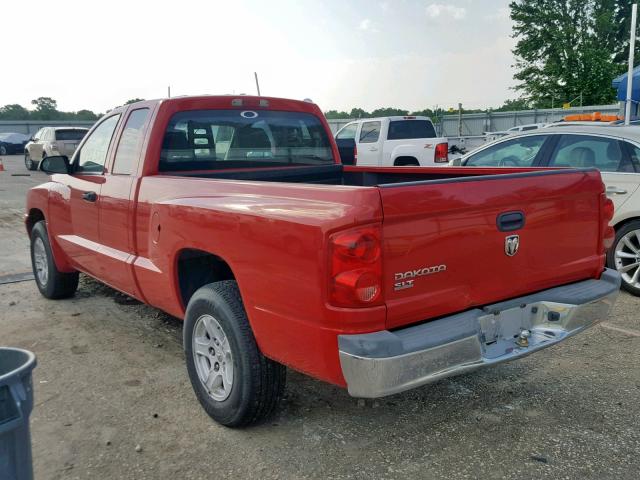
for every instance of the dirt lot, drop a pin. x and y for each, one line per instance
(111, 377)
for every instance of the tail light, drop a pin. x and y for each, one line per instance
(355, 154)
(442, 153)
(609, 233)
(356, 267)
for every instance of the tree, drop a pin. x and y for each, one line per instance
(335, 114)
(14, 112)
(389, 112)
(358, 113)
(565, 49)
(46, 108)
(512, 105)
(134, 100)
(85, 115)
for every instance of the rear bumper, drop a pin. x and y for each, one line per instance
(382, 363)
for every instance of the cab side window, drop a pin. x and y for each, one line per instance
(370, 132)
(130, 144)
(92, 156)
(348, 132)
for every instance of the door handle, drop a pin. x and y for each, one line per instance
(90, 196)
(373, 149)
(616, 191)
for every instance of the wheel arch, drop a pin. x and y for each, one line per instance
(621, 223)
(404, 160)
(194, 268)
(34, 216)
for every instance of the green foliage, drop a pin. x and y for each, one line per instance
(566, 48)
(513, 105)
(134, 100)
(46, 108)
(14, 112)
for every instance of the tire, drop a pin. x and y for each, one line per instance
(28, 162)
(51, 282)
(624, 256)
(3, 150)
(215, 313)
(406, 162)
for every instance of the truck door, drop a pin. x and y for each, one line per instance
(369, 144)
(346, 141)
(81, 240)
(117, 205)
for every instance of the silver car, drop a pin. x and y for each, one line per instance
(50, 141)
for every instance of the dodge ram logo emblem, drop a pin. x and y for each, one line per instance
(511, 245)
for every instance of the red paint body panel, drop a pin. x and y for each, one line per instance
(274, 237)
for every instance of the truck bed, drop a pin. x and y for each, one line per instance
(352, 176)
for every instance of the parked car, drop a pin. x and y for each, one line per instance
(392, 141)
(517, 129)
(235, 214)
(52, 141)
(614, 150)
(12, 143)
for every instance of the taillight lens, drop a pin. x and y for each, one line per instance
(442, 153)
(355, 154)
(356, 267)
(609, 233)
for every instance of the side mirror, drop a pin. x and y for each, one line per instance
(55, 164)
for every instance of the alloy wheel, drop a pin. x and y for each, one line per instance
(213, 358)
(627, 258)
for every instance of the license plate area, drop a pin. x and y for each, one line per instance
(499, 331)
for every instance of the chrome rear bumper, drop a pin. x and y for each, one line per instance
(382, 363)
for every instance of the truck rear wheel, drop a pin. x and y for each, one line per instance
(234, 382)
(51, 282)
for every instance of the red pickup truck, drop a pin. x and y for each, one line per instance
(235, 214)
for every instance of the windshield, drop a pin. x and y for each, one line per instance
(221, 139)
(74, 134)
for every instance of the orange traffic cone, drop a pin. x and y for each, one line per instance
(1, 166)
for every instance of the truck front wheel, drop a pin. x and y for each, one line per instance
(234, 382)
(51, 282)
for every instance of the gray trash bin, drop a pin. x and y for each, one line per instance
(16, 402)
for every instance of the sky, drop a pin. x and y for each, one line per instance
(408, 54)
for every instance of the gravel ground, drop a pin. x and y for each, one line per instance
(113, 400)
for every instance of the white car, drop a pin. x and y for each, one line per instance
(392, 142)
(614, 150)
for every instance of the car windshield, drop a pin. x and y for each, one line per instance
(70, 134)
(222, 139)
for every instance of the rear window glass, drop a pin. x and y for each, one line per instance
(222, 139)
(70, 134)
(405, 129)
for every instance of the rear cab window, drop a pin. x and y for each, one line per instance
(227, 139)
(408, 129)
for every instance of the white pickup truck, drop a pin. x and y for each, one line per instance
(392, 141)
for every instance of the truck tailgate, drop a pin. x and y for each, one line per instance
(444, 250)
